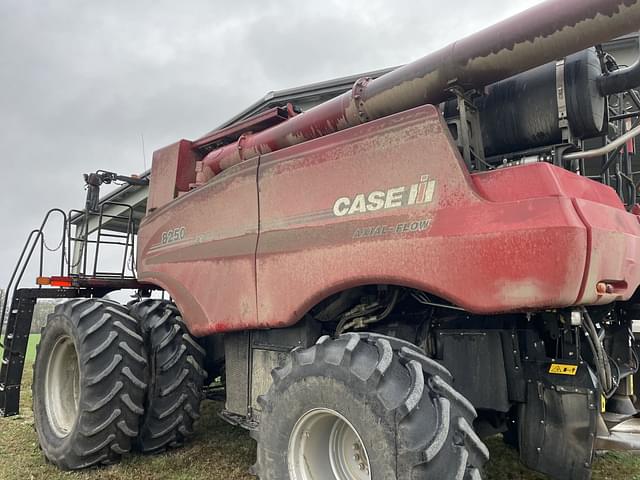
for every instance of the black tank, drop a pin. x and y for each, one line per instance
(521, 112)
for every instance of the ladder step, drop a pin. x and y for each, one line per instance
(15, 349)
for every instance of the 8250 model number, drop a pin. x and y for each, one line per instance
(174, 235)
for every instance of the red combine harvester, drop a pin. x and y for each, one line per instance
(445, 252)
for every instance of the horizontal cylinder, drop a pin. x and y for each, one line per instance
(522, 112)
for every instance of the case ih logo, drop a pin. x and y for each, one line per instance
(415, 194)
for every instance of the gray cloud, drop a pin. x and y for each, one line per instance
(81, 81)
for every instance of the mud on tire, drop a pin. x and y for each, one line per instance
(176, 377)
(412, 424)
(89, 383)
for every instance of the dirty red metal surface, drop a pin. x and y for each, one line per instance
(544, 33)
(173, 169)
(209, 267)
(388, 202)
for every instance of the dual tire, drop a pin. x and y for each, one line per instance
(108, 380)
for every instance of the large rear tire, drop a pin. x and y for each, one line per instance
(89, 384)
(176, 379)
(365, 406)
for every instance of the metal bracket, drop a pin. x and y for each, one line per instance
(563, 119)
(356, 94)
(469, 130)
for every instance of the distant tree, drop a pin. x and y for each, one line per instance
(40, 313)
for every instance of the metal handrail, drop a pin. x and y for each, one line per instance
(34, 238)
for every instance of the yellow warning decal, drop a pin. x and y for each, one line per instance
(603, 404)
(563, 369)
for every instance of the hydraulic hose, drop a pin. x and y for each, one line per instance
(601, 359)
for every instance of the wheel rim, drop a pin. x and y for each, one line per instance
(62, 386)
(324, 445)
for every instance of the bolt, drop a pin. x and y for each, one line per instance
(356, 446)
(356, 458)
(306, 434)
(362, 466)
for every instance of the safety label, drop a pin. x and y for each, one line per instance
(563, 369)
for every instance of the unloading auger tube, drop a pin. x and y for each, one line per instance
(543, 33)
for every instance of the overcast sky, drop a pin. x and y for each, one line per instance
(80, 81)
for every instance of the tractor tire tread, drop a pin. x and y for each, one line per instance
(177, 376)
(108, 400)
(381, 367)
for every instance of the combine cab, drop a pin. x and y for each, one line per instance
(443, 253)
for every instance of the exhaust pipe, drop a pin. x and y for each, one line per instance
(549, 31)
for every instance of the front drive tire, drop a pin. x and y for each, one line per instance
(89, 384)
(365, 406)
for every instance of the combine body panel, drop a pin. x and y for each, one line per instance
(390, 202)
(206, 256)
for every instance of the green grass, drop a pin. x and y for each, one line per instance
(218, 452)
(221, 452)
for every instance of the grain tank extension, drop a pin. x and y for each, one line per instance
(445, 252)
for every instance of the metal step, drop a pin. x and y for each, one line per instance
(15, 348)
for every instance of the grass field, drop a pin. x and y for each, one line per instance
(219, 452)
